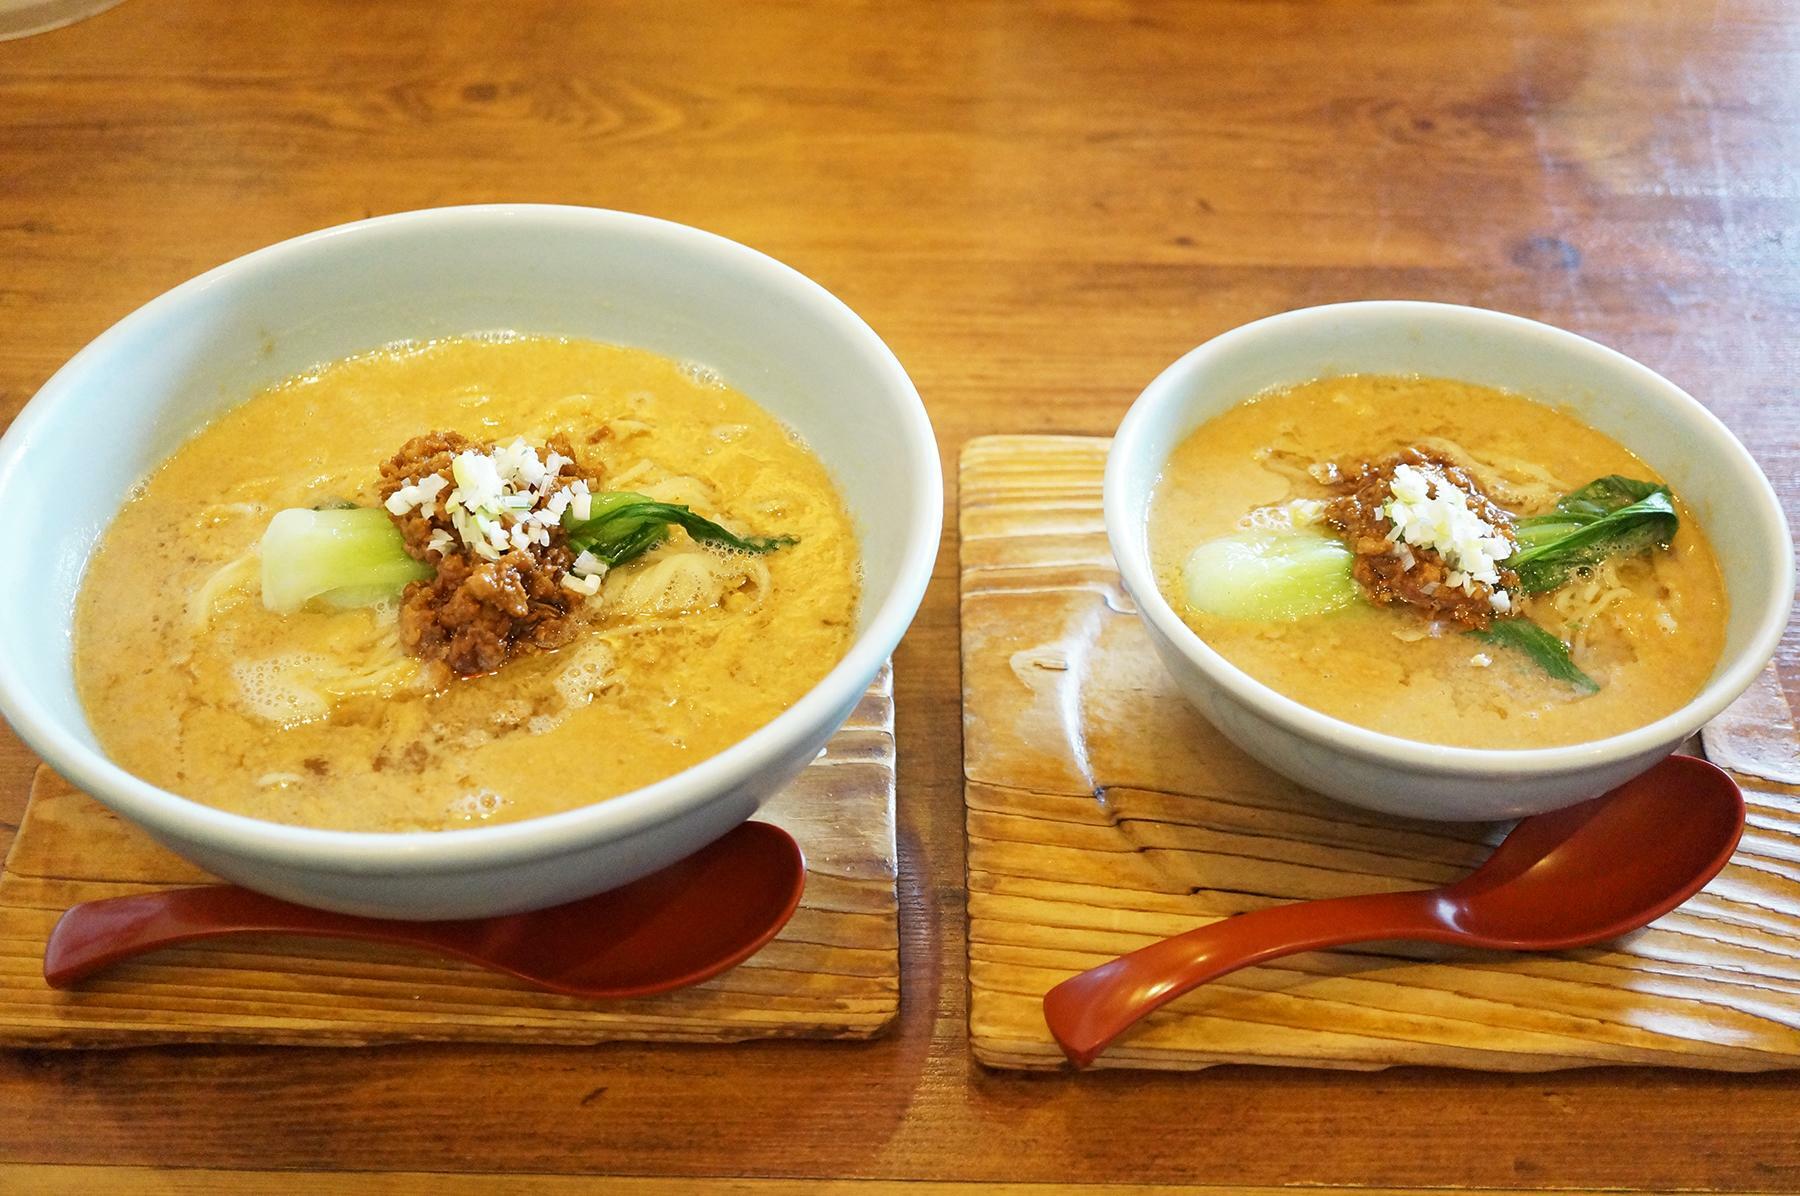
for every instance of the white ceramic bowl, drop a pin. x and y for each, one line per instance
(1648, 414)
(132, 396)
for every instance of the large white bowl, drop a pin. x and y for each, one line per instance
(1648, 414)
(132, 396)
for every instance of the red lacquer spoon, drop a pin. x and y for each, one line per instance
(684, 924)
(1567, 879)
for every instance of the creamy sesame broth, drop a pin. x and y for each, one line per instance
(513, 637)
(1439, 561)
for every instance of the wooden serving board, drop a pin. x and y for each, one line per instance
(1103, 813)
(833, 972)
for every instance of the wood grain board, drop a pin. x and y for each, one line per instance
(1103, 813)
(833, 972)
(84, 1181)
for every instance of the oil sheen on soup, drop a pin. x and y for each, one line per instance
(463, 581)
(1439, 561)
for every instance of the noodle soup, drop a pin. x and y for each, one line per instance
(464, 581)
(1439, 561)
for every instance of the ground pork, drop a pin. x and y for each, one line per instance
(475, 614)
(1392, 573)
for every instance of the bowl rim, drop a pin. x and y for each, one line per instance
(612, 819)
(1125, 533)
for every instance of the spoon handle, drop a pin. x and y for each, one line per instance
(1087, 1012)
(96, 934)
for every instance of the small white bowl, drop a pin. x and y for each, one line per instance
(136, 393)
(1645, 412)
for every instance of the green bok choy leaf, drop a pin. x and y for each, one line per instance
(622, 524)
(1542, 647)
(1612, 516)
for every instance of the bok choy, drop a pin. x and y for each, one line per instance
(1612, 516)
(341, 558)
(1278, 576)
(622, 524)
(1542, 647)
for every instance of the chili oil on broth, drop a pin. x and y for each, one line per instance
(1650, 630)
(317, 719)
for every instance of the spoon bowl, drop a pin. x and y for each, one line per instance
(689, 922)
(1570, 878)
(1592, 872)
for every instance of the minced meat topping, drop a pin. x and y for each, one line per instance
(1425, 535)
(489, 518)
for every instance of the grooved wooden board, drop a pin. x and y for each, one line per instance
(1104, 813)
(833, 972)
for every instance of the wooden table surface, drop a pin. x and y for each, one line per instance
(1038, 205)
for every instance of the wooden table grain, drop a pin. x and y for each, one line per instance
(1038, 205)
